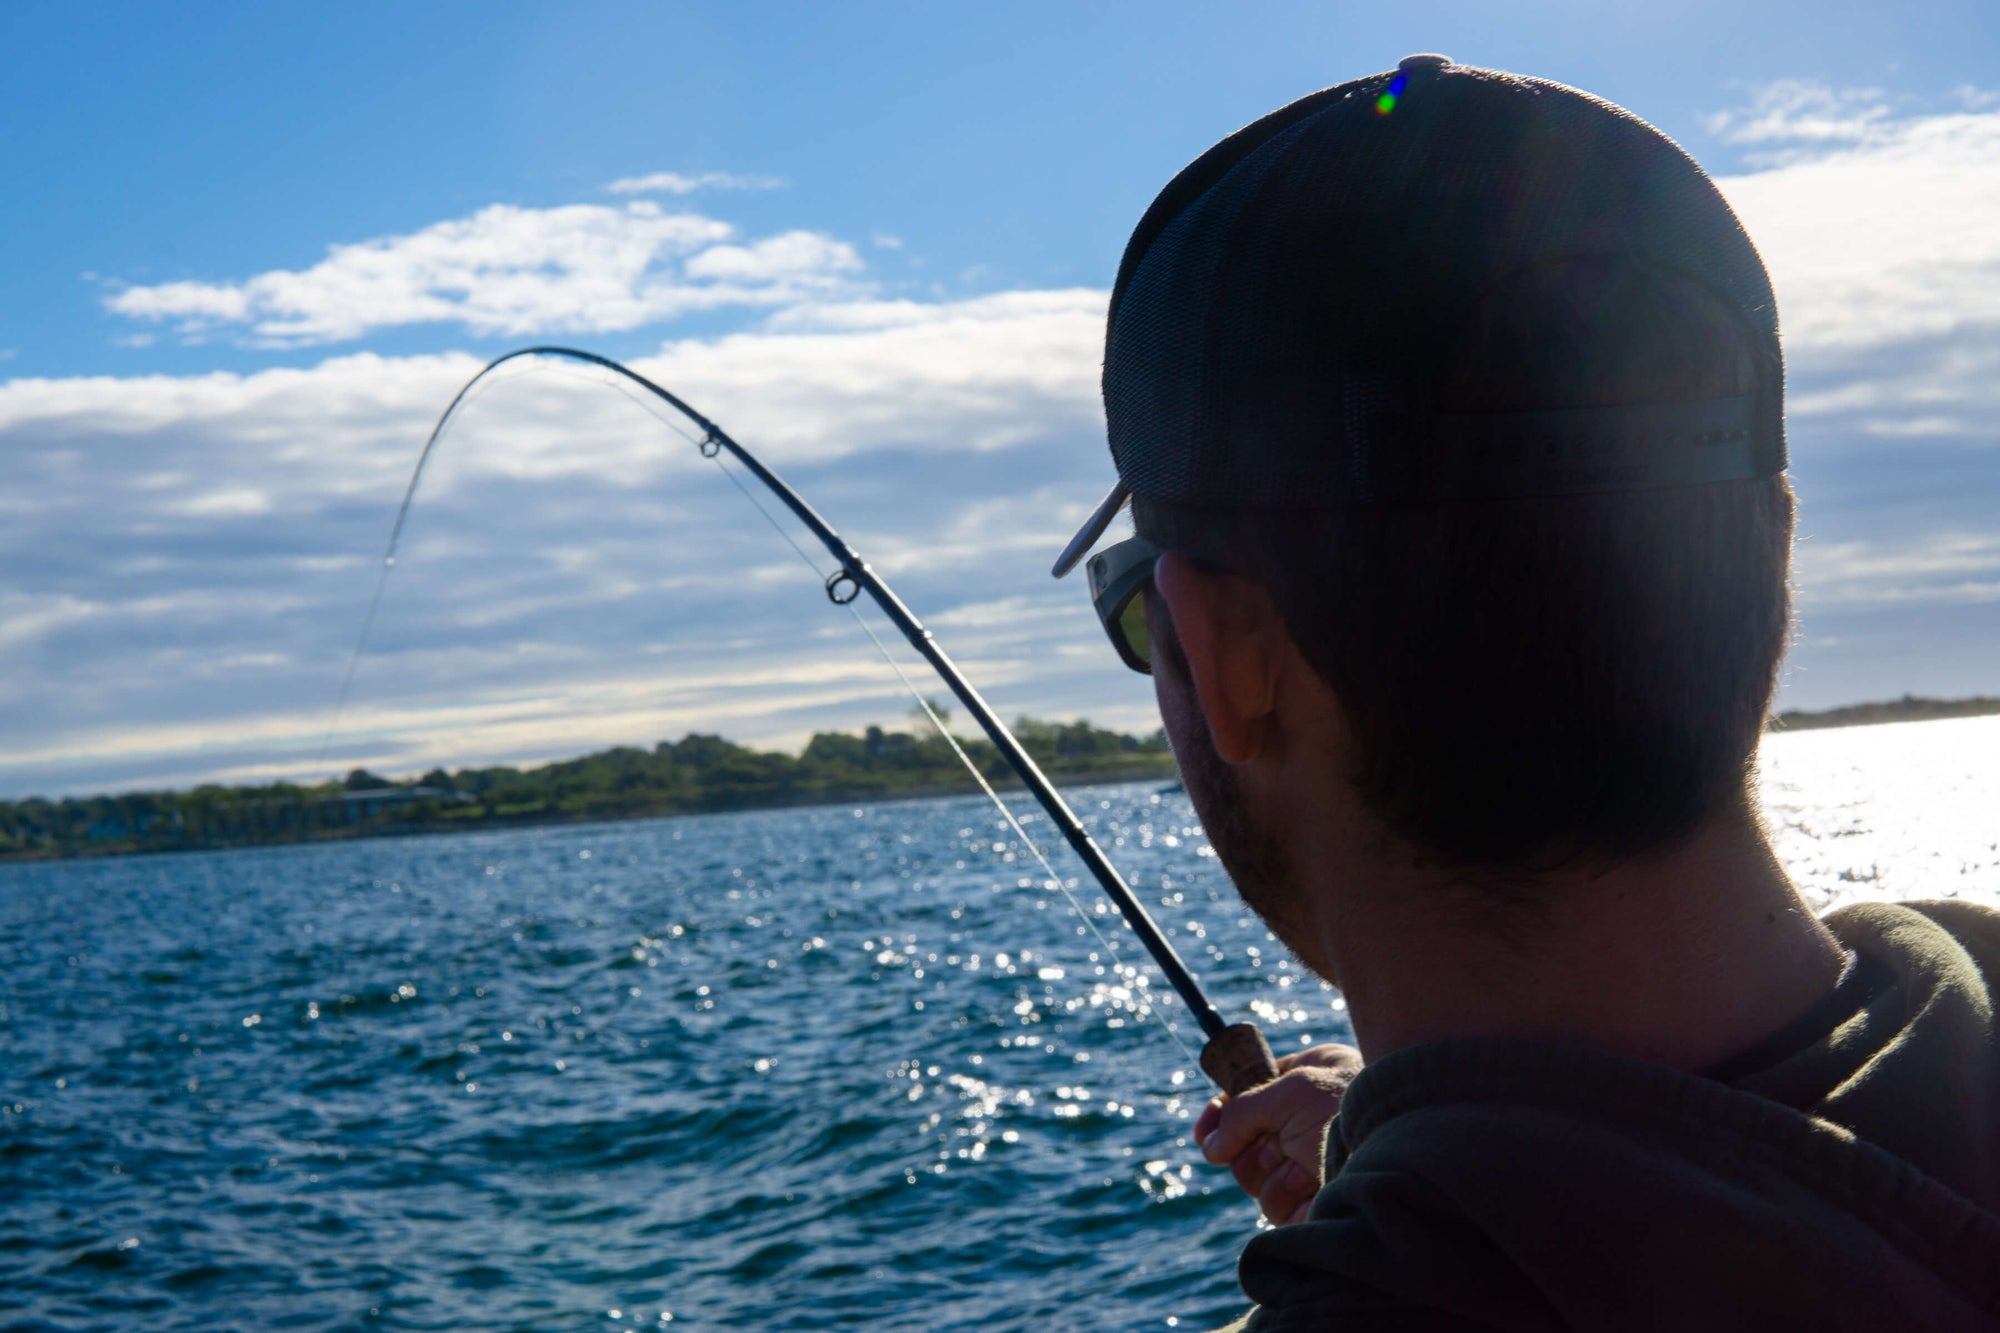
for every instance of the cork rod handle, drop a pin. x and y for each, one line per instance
(1239, 1059)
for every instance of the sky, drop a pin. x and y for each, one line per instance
(248, 253)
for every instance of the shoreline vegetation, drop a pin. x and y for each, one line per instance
(697, 774)
(1909, 708)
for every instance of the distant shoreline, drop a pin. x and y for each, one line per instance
(1152, 772)
(1909, 708)
(697, 775)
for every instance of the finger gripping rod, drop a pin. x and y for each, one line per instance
(1236, 1056)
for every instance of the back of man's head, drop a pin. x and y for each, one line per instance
(1479, 378)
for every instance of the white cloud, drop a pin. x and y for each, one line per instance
(970, 375)
(1881, 228)
(1791, 117)
(224, 502)
(196, 302)
(796, 255)
(1947, 567)
(1877, 230)
(190, 555)
(515, 271)
(674, 182)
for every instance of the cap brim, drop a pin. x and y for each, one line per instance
(1092, 529)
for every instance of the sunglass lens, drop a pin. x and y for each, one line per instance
(1132, 629)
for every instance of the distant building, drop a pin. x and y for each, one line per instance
(351, 807)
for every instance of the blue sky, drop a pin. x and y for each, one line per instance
(248, 253)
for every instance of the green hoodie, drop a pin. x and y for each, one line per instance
(1852, 1182)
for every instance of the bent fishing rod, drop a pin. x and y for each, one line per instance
(1236, 1055)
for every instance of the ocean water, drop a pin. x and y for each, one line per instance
(812, 1069)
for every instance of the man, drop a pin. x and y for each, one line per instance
(1450, 409)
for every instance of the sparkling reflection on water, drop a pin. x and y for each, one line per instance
(1892, 812)
(787, 1070)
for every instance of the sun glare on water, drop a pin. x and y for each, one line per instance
(1908, 810)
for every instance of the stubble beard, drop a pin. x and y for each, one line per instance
(1255, 860)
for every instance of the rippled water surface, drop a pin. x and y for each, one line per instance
(792, 1070)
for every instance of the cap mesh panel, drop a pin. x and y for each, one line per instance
(1278, 331)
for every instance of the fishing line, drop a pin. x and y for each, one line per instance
(1146, 1008)
(466, 395)
(1236, 1056)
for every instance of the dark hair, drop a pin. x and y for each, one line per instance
(1544, 681)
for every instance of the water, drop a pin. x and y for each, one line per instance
(790, 1070)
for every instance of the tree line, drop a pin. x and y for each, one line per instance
(1909, 708)
(697, 773)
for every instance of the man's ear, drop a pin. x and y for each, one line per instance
(1225, 628)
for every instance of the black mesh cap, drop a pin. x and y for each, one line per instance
(1281, 312)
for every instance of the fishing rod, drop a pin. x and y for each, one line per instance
(1236, 1055)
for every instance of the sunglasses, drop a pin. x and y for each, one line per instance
(1118, 578)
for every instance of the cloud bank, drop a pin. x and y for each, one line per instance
(192, 554)
(1882, 234)
(189, 556)
(582, 268)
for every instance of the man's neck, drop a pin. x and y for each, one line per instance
(1683, 959)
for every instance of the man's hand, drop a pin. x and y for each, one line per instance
(1270, 1137)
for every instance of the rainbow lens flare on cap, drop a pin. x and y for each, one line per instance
(1286, 309)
